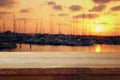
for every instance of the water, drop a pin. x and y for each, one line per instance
(49, 48)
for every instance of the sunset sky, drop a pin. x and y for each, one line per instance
(101, 17)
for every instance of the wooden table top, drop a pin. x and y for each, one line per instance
(59, 60)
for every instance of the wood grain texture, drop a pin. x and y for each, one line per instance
(58, 60)
(59, 66)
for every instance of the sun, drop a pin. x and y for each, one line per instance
(98, 28)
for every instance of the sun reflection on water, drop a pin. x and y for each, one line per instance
(98, 48)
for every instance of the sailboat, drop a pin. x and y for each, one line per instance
(84, 40)
(7, 39)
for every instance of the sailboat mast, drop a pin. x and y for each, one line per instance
(51, 25)
(4, 25)
(24, 26)
(89, 23)
(83, 25)
(14, 22)
(69, 28)
(73, 26)
(118, 30)
(36, 28)
(41, 27)
(19, 27)
(59, 28)
(77, 25)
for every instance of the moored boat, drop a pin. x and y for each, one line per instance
(7, 46)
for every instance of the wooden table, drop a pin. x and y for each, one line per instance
(59, 66)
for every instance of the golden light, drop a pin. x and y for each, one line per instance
(98, 48)
(98, 28)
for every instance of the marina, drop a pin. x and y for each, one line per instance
(59, 39)
(9, 40)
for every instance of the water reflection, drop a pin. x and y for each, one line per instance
(49, 48)
(98, 48)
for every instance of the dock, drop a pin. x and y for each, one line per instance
(59, 66)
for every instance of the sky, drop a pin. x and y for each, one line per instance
(89, 17)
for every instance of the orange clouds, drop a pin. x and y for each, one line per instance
(51, 3)
(7, 3)
(101, 1)
(63, 14)
(115, 8)
(92, 16)
(98, 8)
(25, 11)
(57, 7)
(75, 8)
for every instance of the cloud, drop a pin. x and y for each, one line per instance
(4, 12)
(75, 8)
(63, 14)
(57, 7)
(7, 3)
(116, 8)
(98, 8)
(101, 1)
(90, 16)
(25, 11)
(51, 3)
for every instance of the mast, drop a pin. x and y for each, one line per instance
(0, 29)
(14, 22)
(19, 27)
(114, 31)
(41, 26)
(89, 23)
(118, 31)
(73, 26)
(59, 28)
(69, 30)
(19, 33)
(83, 24)
(36, 28)
(4, 25)
(24, 26)
(51, 25)
(77, 25)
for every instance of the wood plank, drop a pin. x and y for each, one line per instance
(59, 66)
(58, 60)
